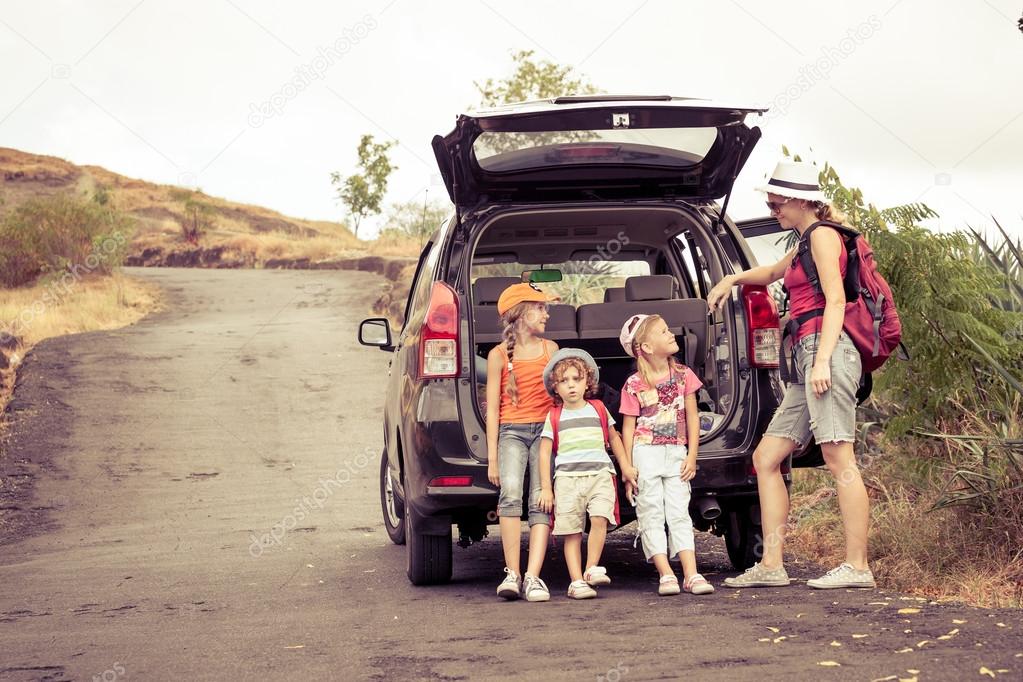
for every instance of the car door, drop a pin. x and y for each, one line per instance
(767, 242)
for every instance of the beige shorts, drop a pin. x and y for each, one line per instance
(577, 496)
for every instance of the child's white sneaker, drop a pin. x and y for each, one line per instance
(697, 584)
(535, 589)
(668, 585)
(511, 587)
(580, 590)
(596, 576)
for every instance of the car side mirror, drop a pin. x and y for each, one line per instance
(376, 331)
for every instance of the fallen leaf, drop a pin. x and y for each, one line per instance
(860, 636)
(800, 615)
(877, 603)
(909, 610)
(911, 671)
(907, 679)
(985, 671)
(957, 621)
(922, 642)
(886, 679)
(779, 639)
(906, 650)
(1002, 670)
(1001, 625)
(296, 646)
(764, 639)
(774, 630)
(836, 643)
(829, 664)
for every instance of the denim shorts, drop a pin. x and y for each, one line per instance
(518, 445)
(831, 417)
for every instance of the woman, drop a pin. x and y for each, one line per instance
(821, 401)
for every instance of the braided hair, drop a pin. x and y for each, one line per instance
(513, 321)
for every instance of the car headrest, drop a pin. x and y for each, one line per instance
(614, 295)
(486, 290)
(650, 288)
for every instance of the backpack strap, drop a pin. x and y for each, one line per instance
(602, 414)
(555, 417)
(805, 256)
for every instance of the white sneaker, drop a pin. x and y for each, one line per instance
(511, 587)
(697, 584)
(668, 586)
(535, 589)
(580, 590)
(596, 576)
(843, 575)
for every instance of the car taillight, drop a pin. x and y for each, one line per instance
(438, 350)
(764, 327)
(450, 481)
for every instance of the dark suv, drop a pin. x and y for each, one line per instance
(619, 195)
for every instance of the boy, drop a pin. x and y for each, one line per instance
(584, 478)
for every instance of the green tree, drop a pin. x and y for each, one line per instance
(362, 192)
(533, 79)
(415, 218)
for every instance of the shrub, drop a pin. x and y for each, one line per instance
(61, 233)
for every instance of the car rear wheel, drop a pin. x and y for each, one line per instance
(392, 507)
(744, 537)
(428, 556)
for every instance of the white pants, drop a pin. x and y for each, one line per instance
(663, 498)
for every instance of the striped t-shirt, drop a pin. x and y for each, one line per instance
(580, 442)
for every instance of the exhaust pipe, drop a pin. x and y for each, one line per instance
(492, 515)
(709, 508)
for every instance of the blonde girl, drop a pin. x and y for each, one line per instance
(517, 405)
(661, 429)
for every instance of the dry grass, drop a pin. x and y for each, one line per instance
(945, 554)
(44, 311)
(395, 245)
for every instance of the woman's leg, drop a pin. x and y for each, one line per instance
(774, 498)
(852, 500)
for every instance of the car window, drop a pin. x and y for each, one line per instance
(583, 281)
(419, 295)
(696, 268)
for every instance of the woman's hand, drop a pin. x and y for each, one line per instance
(688, 470)
(720, 293)
(492, 472)
(546, 500)
(820, 377)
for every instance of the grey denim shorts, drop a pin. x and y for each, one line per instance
(831, 417)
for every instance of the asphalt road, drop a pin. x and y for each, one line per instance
(144, 462)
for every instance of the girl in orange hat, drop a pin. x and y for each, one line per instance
(517, 405)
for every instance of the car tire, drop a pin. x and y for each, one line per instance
(743, 538)
(428, 556)
(392, 508)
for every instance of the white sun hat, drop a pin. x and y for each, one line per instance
(796, 179)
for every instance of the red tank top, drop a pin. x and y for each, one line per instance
(803, 297)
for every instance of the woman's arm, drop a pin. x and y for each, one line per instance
(761, 275)
(495, 365)
(826, 248)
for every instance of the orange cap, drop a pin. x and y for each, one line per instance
(521, 293)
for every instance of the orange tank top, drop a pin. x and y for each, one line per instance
(534, 402)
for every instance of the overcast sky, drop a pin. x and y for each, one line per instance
(912, 100)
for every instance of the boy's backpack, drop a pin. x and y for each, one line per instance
(871, 320)
(556, 419)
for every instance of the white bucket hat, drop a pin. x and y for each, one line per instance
(795, 179)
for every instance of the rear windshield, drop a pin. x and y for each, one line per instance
(672, 147)
(582, 281)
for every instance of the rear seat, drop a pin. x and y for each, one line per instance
(614, 295)
(487, 323)
(649, 295)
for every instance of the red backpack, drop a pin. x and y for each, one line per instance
(871, 320)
